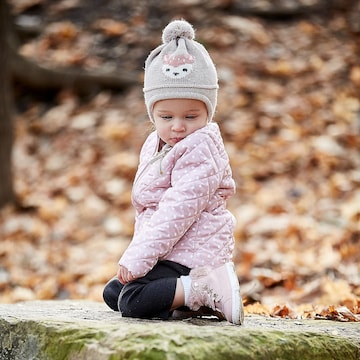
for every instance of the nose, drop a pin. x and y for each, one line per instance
(178, 125)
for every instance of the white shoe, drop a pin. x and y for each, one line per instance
(217, 289)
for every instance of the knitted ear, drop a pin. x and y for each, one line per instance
(178, 29)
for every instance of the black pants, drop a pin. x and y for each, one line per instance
(148, 297)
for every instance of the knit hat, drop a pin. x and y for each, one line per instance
(180, 68)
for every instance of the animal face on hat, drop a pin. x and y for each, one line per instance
(180, 68)
(179, 64)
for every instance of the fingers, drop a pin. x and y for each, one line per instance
(124, 275)
(119, 276)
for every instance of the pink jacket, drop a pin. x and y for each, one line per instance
(180, 197)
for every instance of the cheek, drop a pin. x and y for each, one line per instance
(162, 130)
(199, 124)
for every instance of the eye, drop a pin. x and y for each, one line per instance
(166, 117)
(184, 70)
(167, 69)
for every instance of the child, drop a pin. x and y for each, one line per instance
(180, 255)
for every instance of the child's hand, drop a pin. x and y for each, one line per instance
(124, 275)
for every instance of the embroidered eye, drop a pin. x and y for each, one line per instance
(185, 70)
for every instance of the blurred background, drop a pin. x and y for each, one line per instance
(73, 121)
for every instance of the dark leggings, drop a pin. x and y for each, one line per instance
(148, 297)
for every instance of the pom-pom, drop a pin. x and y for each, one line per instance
(178, 29)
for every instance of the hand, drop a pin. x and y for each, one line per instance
(124, 275)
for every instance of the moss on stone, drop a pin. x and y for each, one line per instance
(202, 344)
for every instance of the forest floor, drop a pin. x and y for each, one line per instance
(289, 112)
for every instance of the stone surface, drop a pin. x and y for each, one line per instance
(54, 330)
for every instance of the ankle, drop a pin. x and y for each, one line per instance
(186, 283)
(179, 296)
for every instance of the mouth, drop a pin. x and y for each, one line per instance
(176, 139)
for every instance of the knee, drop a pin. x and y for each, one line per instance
(111, 293)
(129, 304)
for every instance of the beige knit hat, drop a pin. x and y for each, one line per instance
(180, 68)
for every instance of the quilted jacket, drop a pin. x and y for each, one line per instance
(179, 195)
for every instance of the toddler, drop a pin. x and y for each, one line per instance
(179, 261)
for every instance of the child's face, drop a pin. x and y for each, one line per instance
(177, 118)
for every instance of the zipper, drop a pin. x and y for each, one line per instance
(163, 152)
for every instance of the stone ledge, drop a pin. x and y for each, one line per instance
(54, 330)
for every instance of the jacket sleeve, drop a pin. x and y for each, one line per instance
(195, 178)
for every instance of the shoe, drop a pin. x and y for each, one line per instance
(217, 289)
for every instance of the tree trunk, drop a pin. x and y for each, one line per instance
(6, 129)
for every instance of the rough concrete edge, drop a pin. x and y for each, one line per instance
(50, 339)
